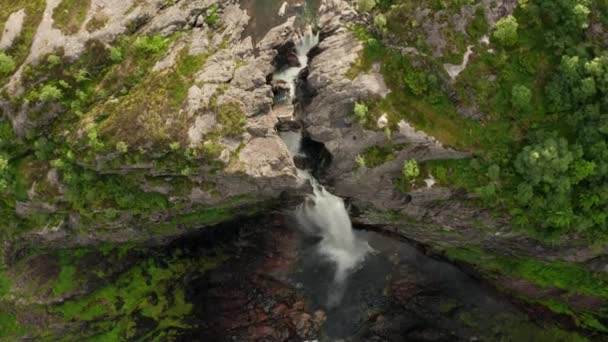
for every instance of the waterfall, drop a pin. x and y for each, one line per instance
(304, 44)
(322, 213)
(325, 214)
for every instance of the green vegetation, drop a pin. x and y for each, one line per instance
(361, 112)
(540, 145)
(5, 283)
(70, 15)
(410, 169)
(213, 15)
(232, 118)
(377, 155)
(7, 64)
(573, 279)
(506, 31)
(151, 289)
(20, 48)
(9, 327)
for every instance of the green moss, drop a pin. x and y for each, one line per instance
(232, 118)
(229, 209)
(377, 155)
(66, 281)
(5, 283)
(151, 289)
(560, 275)
(9, 327)
(69, 15)
(573, 279)
(142, 115)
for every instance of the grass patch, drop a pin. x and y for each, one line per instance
(149, 112)
(9, 327)
(377, 155)
(70, 15)
(560, 275)
(5, 284)
(232, 118)
(569, 277)
(229, 209)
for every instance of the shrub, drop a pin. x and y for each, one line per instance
(7, 64)
(174, 146)
(380, 21)
(49, 93)
(53, 60)
(116, 55)
(122, 147)
(506, 31)
(360, 160)
(361, 111)
(212, 15)
(520, 97)
(150, 45)
(411, 170)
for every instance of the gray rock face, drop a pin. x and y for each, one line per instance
(12, 29)
(256, 163)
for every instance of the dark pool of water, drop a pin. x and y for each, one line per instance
(417, 295)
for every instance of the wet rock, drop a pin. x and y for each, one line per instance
(293, 61)
(285, 113)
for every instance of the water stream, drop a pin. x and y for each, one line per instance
(322, 214)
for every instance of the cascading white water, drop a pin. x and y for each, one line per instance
(304, 44)
(325, 214)
(322, 213)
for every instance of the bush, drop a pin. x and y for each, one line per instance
(520, 97)
(380, 22)
(361, 111)
(411, 170)
(212, 15)
(506, 31)
(122, 147)
(116, 55)
(150, 45)
(7, 64)
(53, 60)
(49, 93)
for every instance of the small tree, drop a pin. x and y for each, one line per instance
(7, 64)
(50, 93)
(520, 97)
(380, 22)
(53, 60)
(506, 31)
